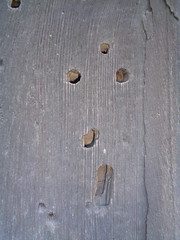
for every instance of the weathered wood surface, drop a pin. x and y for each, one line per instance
(48, 180)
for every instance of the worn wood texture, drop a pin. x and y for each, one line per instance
(48, 179)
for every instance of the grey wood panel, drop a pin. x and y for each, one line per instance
(43, 117)
(161, 121)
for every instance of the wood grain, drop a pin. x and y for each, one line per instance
(43, 117)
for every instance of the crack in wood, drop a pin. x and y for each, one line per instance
(149, 9)
(170, 10)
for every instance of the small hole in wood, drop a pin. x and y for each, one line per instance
(15, 3)
(74, 76)
(41, 207)
(89, 138)
(50, 214)
(1, 62)
(105, 48)
(51, 222)
(122, 75)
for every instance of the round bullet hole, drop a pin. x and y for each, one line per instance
(15, 3)
(122, 75)
(104, 48)
(73, 76)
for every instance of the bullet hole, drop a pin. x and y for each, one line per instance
(103, 188)
(15, 3)
(122, 75)
(41, 207)
(125, 139)
(1, 65)
(89, 138)
(105, 48)
(88, 205)
(74, 76)
(51, 222)
(51, 215)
